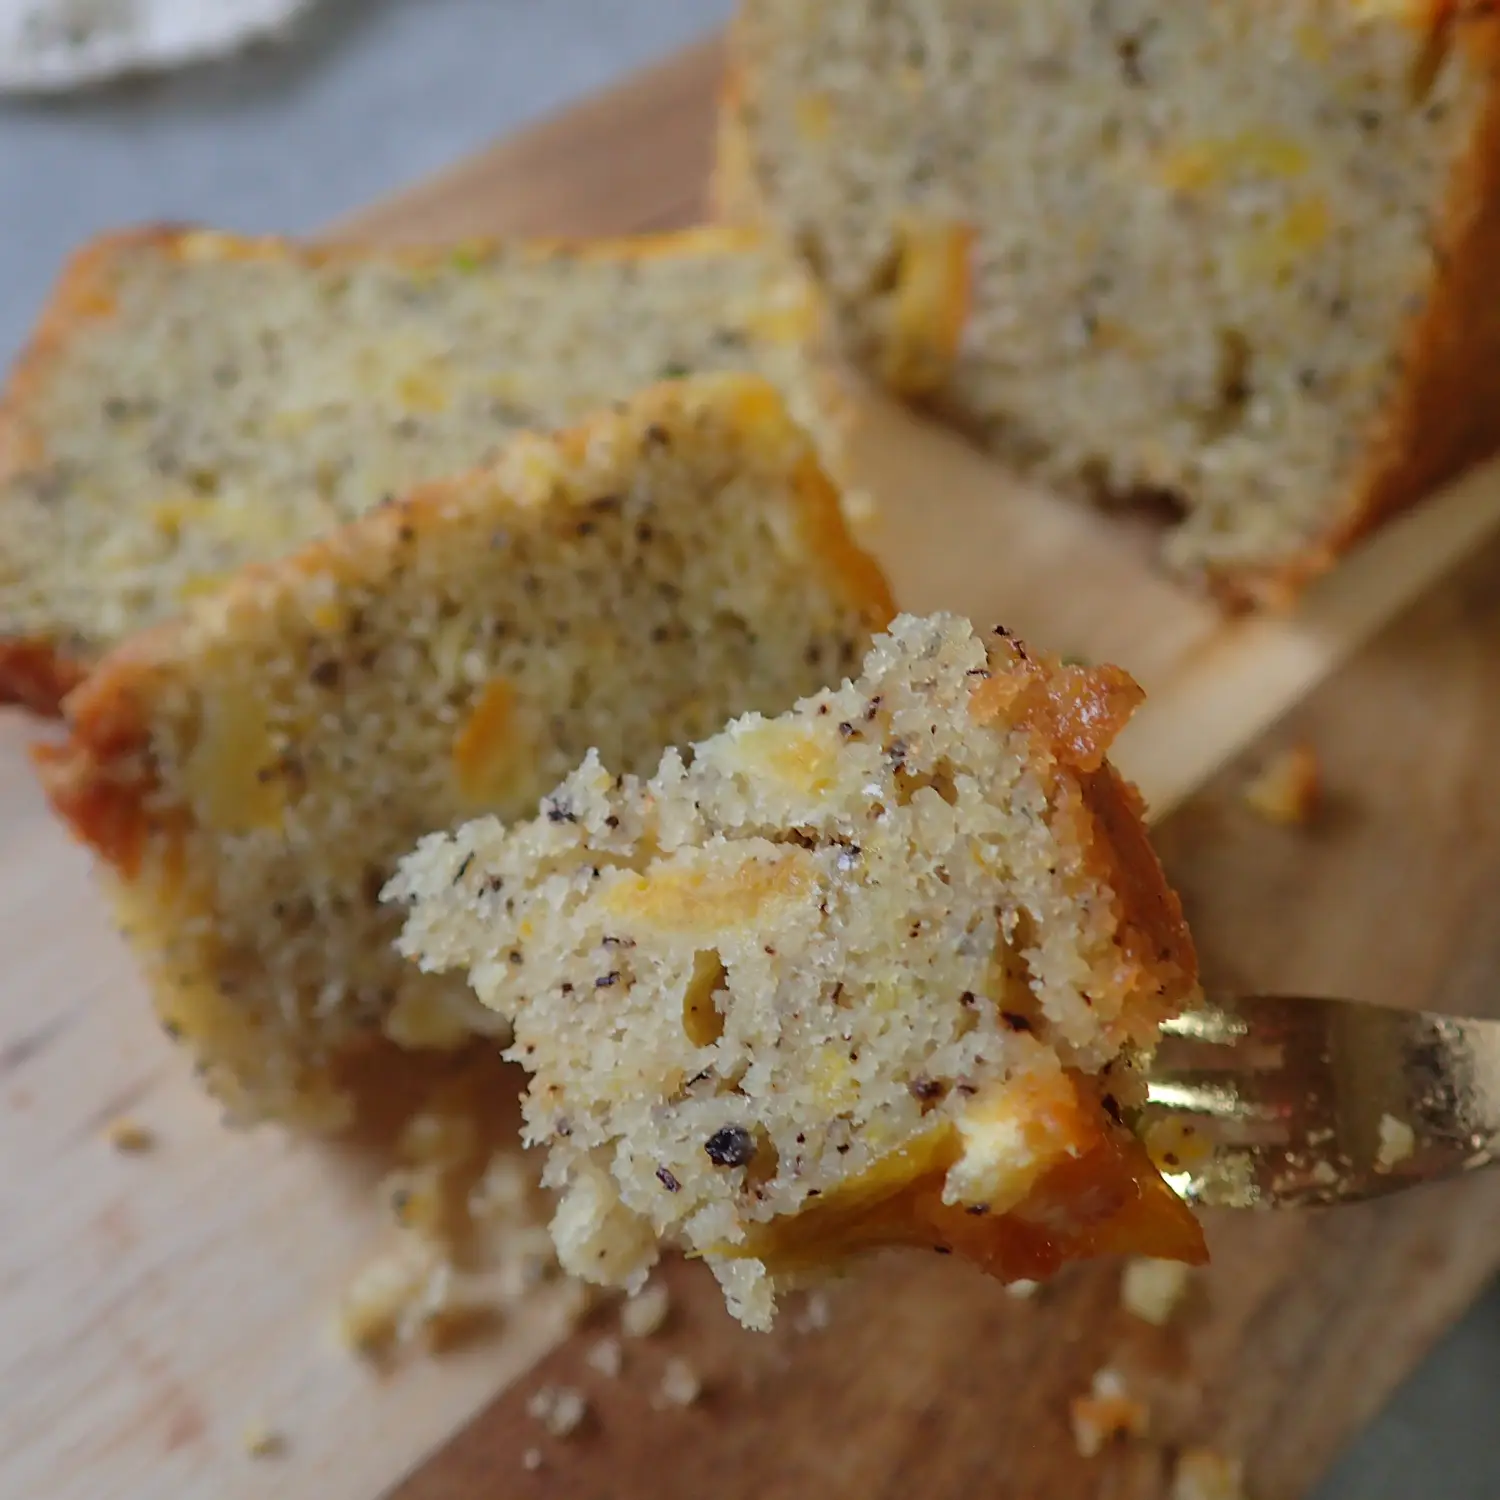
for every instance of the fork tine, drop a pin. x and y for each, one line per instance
(1320, 1101)
(1208, 1094)
(1214, 1024)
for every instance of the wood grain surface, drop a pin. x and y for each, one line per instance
(156, 1305)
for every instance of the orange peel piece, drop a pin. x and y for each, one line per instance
(930, 306)
(1094, 1191)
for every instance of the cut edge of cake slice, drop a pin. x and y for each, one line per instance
(44, 655)
(248, 774)
(1351, 182)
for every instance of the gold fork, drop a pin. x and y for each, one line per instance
(1275, 1100)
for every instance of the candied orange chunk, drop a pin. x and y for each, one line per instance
(931, 303)
(488, 750)
(804, 761)
(686, 896)
(1086, 1188)
(232, 772)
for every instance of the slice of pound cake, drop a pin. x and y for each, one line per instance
(194, 401)
(870, 973)
(249, 774)
(1237, 255)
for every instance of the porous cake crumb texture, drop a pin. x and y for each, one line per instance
(1237, 254)
(865, 973)
(196, 401)
(250, 773)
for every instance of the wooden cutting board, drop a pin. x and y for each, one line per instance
(156, 1305)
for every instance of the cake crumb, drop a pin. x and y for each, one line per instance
(130, 1137)
(393, 1298)
(606, 1357)
(531, 1460)
(524, 1257)
(457, 1324)
(1106, 1414)
(859, 508)
(505, 1189)
(1397, 1143)
(577, 1299)
(680, 1385)
(814, 1315)
(1287, 788)
(261, 1441)
(1325, 1174)
(559, 1408)
(1152, 1290)
(1202, 1474)
(646, 1312)
(1022, 1291)
(1176, 1145)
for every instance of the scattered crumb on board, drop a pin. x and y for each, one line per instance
(393, 1299)
(1287, 788)
(1022, 1290)
(1202, 1474)
(531, 1460)
(1176, 1145)
(1398, 1141)
(1325, 1174)
(606, 1357)
(470, 1239)
(130, 1137)
(646, 1312)
(261, 1441)
(1152, 1290)
(814, 1315)
(1107, 1413)
(680, 1385)
(559, 1408)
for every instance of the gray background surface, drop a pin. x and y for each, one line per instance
(375, 94)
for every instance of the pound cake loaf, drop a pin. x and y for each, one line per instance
(1237, 257)
(249, 773)
(194, 401)
(870, 973)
